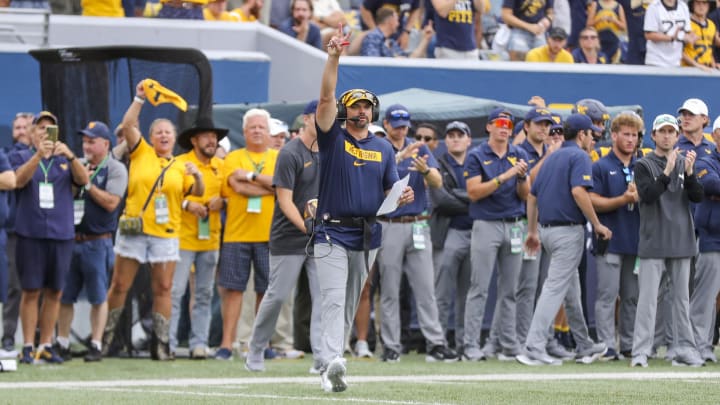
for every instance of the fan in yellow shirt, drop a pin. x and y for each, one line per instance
(553, 52)
(700, 53)
(102, 8)
(249, 11)
(216, 10)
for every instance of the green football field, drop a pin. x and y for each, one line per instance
(412, 381)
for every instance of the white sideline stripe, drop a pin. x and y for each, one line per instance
(188, 382)
(343, 398)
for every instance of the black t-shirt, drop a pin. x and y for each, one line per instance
(297, 169)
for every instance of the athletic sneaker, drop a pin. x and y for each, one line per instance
(63, 352)
(254, 362)
(269, 353)
(47, 355)
(441, 353)
(507, 355)
(223, 354)
(292, 354)
(473, 354)
(93, 354)
(199, 353)
(315, 369)
(709, 356)
(555, 349)
(27, 356)
(8, 344)
(363, 350)
(335, 374)
(390, 356)
(8, 354)
(489, 350)
(589, 354)
(639, 361)
(610, 355)
(532, 357)
(688, 357)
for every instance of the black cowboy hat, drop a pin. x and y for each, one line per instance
(203, 124)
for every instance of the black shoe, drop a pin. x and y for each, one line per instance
(8, 344)
(64, 353)
(441, 353)
(93, 354)
(390, 356)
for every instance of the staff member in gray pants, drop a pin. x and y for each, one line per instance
(497, 184)
(707, 267)
(560, 202)
(296, 181)
(666, 184)
(614, 197)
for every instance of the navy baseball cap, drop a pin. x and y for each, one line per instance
(458, 126)
(500, 112)
(96, 129)
(398, 116)
(45, 115)
(593, 108)
(539, 115)
(311, 107)
(557, 122)
(579, 122)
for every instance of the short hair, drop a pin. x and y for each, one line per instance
(309, 3)
(429, 126)
(161, 120)
(383, 14)
(256, 112)
(588, 29)
(626, 119)
(570, 134)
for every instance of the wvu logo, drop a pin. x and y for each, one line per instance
(307, 164)
(64, 166)
(586, 177)
(512, 160)
(487, 162)
(702, 173)
(362, 154)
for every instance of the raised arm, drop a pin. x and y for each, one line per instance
(327, 110)
(130, 125)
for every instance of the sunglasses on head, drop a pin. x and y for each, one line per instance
(426, 138)
(503, 123)
(399, 115)
(359, 95)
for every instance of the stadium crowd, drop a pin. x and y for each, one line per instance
(299, 204)
(652, 32)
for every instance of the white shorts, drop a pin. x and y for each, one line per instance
(147, 249)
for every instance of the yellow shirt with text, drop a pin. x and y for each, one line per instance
(542, 54)
(102, 8)
(145, 168)
(702, 50)
(212, 174)
(241, 225)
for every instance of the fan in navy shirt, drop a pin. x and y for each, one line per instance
(455, 26)
(300, 25)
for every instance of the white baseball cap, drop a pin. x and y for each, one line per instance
(716, 124)
(665, 120)
(376, 128)
(278, 127)
(694, 106)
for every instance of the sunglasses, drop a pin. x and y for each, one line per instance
(588, 37)
(426, 138)
(628, 175)
(399, 115)
(557, 132)
(503, 123)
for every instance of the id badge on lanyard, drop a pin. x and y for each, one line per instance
(418, 235)
(162, 214)
(254, 205)
(47, 196)
(78, 210)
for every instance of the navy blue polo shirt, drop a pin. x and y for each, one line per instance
(12, 195)
(460, 222)
(34, 222)
(504, 202)
(610, 179)
(354, 175)
(417, 182)
(533, 156)
(111, 177)
(705, 148)
(563, 170)
(707, 212)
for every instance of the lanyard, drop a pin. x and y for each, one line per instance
(258, 166)
(45, 170)
(100, 166)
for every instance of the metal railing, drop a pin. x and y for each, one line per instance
(24, 26)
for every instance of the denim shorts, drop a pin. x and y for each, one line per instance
(523, 41)
(91, 264)
(147, 249)
(235, 261)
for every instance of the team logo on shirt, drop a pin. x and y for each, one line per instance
(702, 173)
(512, 160)
(307, 164)
(358, 163)
(487, 162)
(586, 177)
(64, 166)
(362, 154)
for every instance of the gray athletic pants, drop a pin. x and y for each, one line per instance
(564, 244)
(341, 275)
(491, 244)
(452, 279)
(652, 273)
(615, 277)
(702, 302)
(398, 254)
(284, 271)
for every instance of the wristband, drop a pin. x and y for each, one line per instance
(522, 178)
(426, 172)
(250, 176)
(88, 186)
(497, 181)
(70, 159)
(139, 99)
(185, 204)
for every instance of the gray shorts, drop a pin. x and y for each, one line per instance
(147, 249)
(523, 41)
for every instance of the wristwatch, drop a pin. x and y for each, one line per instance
(88, 186)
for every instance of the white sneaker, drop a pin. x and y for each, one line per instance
(255, 362)
(293, 354)
(8, 354)
(314, 370)
(335, 374)
(363, 350)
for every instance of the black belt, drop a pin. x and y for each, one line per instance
(406, 219)
(560, 223)
(511, 219)
(364, 223)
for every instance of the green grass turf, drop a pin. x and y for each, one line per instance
(457, 392)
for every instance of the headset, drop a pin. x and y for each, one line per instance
(361, 95)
